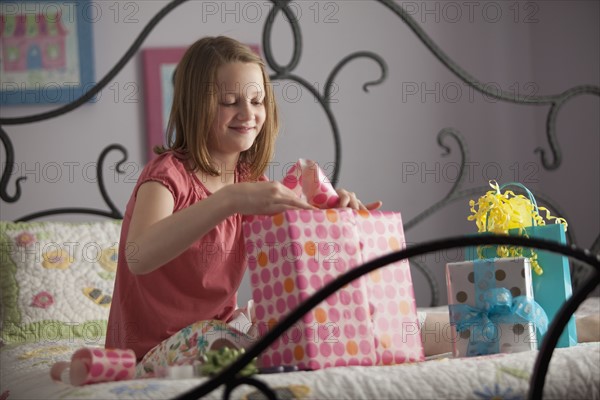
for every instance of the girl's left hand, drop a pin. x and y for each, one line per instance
(349, 199)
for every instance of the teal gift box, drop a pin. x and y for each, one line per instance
(551, 276)
(492, 308)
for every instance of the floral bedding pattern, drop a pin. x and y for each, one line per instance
(56, 279)
(56, 282)
(574, 374)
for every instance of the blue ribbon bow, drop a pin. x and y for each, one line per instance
(498, 307)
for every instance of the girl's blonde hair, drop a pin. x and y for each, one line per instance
(195, 102)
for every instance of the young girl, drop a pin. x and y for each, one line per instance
(181, 258)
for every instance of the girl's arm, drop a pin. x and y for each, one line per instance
(159, 235)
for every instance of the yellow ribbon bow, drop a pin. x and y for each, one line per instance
(498, 213)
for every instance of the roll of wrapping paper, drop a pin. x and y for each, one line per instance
(94, 365)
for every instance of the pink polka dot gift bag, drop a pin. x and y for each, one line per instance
(371, 321)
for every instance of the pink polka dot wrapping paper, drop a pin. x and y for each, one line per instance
(513, 274)
(371, 321)
(94, 365)
(308, 181)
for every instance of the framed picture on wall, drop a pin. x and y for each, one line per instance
(158, 65)
(46, 51)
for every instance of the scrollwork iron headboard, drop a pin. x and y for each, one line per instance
(584, 279)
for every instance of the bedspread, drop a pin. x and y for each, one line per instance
(574, 374)
(54, 304)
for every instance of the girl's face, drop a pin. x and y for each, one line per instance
(240, 112)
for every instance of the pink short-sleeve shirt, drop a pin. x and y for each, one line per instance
(199, 284)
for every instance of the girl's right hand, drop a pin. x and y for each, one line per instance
(263, 198)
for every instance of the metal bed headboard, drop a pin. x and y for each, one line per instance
(584, 278)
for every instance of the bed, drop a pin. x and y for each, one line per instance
(48, 315)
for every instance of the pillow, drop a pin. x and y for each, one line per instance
(56, 279)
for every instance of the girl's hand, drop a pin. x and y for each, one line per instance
(349, 199)
(263, 198)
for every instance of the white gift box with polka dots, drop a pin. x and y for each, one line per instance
(371, 321)
(513, 274)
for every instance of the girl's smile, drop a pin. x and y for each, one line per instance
(243, 129)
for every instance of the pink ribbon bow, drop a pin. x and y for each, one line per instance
(308, 181)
